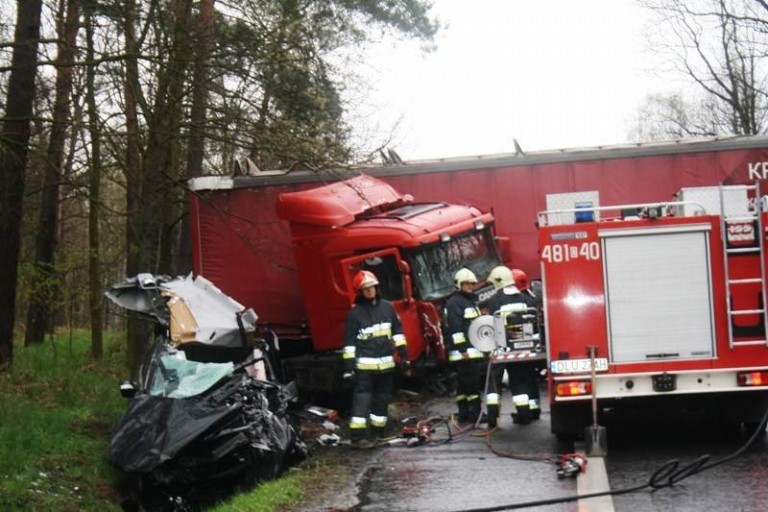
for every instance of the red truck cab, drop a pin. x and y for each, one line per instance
(413, 248)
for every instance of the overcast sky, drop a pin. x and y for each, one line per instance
(550, 73)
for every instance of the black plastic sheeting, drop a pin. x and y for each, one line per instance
(192, 452)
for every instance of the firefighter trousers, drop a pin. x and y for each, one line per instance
(469, 387)
(524, 385)
(493, 393)
(370, 403)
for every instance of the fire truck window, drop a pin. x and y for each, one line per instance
(387, 272)
(433, 267)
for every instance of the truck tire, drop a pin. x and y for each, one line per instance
(568, 421)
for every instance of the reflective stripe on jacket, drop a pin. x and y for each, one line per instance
(373, 333)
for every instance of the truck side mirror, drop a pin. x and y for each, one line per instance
(128, 390)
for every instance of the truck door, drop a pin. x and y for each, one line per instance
(394, 286)
(394, 282)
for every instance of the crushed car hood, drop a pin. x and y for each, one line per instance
(194, 309)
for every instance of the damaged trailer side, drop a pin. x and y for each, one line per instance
(205, 419)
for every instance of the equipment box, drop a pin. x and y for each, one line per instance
(573, 201)
(734, 200)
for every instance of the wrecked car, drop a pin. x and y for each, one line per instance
(206, 418)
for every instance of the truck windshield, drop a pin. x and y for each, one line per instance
(433, 266)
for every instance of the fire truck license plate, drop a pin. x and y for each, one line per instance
(578, 365)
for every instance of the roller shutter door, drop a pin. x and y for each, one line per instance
(658, 294)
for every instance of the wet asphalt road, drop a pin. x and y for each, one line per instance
(466, 475)
(637, 450)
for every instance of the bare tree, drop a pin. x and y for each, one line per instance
(720, 47)
(672, 116)
(14, 140)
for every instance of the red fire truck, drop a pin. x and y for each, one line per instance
(671, 295)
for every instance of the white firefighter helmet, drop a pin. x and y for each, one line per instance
(464, 275)
(501, 277)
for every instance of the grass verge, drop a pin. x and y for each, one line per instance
(295, 490)
(57, 411)
(58, 408)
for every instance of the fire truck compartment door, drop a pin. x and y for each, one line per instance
(658, 293)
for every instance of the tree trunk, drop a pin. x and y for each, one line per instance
(44, 285)
(161, 163)
(137, 342)
(95, 304)
(14, 141)
(203, 33)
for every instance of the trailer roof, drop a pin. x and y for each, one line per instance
(628, 150)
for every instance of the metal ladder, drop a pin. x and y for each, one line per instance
(753, 216)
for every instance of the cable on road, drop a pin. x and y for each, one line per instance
(669, 474)
(550, 459)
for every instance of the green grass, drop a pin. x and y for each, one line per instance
(57, 411)
(295, 488)
(58, 408)
(267, 497)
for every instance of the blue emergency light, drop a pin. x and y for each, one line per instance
(586, 216)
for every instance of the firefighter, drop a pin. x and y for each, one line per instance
(460, 309)
(523, 380)
(373, 335)
(521, 283)
(532, 379)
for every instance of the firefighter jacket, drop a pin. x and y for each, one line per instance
(505, 297)
(460, 309)
(373, 334)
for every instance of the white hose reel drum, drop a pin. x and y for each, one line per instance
(486, 333)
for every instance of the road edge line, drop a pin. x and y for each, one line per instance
(594, 479)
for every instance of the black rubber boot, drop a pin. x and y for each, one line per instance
(473, 410)
(522, 416)
(535, 410)
(492, 416)
(378, 434)
(463, 416)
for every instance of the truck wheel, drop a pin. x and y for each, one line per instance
(568, 421)
(566, 437)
